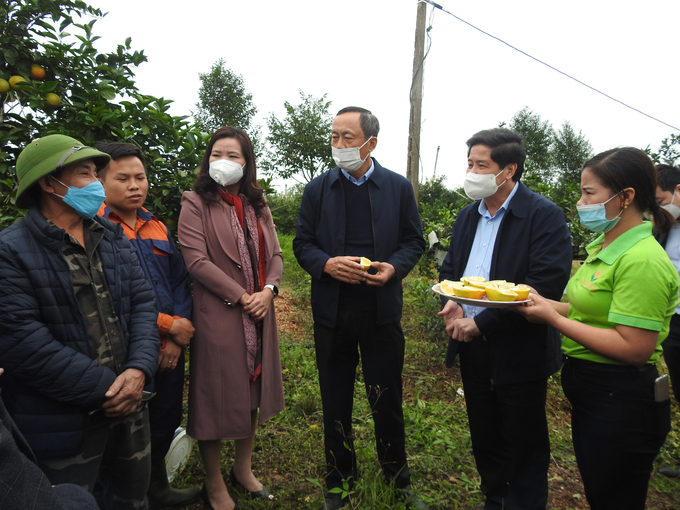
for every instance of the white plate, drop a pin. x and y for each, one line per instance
(178, 454)
(484, 302)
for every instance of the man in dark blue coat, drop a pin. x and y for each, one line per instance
(359, 209)
(512, 234)
(78, 335)
(23, 486)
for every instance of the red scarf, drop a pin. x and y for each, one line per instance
(247, 218)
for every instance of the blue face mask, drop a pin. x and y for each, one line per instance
(86, 200)
(594, 217)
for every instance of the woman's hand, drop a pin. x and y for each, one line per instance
(541, 310)
(257, 305)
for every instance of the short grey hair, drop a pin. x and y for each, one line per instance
(368, 122)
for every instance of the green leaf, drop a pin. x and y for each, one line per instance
(10, 55)
(108, 93)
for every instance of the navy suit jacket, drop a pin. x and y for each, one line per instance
(320, 235)
(533, 246)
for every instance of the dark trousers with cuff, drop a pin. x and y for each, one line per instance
(509, 433)
(617, 430)
(382, 359)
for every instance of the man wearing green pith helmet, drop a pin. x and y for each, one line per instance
(78, 334)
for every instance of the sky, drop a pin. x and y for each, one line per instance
(360, 53)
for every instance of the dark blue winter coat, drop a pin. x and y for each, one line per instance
(51, 382)
(320, 235)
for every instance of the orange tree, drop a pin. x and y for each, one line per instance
(59, 83)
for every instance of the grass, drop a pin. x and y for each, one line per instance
(289, 458)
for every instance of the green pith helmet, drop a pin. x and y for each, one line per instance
(46, 155)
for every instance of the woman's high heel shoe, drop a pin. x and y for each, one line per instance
(206, 499)
(261, 494)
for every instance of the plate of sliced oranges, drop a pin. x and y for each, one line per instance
(476, 291)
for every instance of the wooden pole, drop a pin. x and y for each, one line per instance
(413, 159)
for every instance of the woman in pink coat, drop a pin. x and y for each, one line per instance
(230, 247)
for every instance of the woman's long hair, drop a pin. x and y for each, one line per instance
(206, 187)
(627, 167)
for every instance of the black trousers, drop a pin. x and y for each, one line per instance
(671, 353)
(509, 433)
(382, 360)
(617, 430)
(165, 409)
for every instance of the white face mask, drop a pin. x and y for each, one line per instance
(225, 172)
(350, 159)
(672, 208)
(478, 186)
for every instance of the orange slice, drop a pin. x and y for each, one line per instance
(446, 286)
(500, 294)
(522, 292)
(472, 280)
(467, 291)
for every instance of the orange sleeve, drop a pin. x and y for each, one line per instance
(164, 323)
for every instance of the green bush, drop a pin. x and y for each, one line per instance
(438, 209)
(285, 208)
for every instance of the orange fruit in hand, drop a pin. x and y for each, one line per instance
(365, 263)
(37, 72)
(14, 80)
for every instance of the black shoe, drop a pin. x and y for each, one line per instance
(670, 471)
(161, 494)
(412, 499)
(206, 500)
(332, 502)
(261, 494)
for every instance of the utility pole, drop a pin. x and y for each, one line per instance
(413, 159)
(436, 158)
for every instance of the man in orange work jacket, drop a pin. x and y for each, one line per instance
(126, 186)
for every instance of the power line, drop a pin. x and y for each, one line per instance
(437, 6)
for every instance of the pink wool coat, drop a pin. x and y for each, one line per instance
(219, 388)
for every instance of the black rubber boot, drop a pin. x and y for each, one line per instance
(162, 495)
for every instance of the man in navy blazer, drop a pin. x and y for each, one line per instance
(359, 209)
(513, 234)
